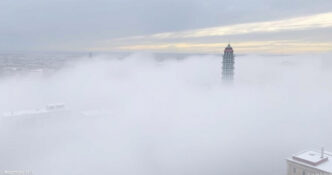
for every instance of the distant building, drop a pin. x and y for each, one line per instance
(310, 163)
(17, 172)
(49, 110)
(228, 64)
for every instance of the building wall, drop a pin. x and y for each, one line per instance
(228, 66)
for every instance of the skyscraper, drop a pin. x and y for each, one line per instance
(228, 64)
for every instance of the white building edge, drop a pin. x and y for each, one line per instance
(49, 109)
(310, 163)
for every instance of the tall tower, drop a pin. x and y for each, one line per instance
(228, 64)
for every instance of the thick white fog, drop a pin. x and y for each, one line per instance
(142, 116)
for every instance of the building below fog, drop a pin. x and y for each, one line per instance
(228, 64)
(16, 172)
(310, 163)
(51, 110)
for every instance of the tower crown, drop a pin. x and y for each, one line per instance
(228, 48)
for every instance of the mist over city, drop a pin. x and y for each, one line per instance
(165, 87)
(143, 115)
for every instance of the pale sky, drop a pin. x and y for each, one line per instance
(186, 26)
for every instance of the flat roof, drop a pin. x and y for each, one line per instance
(313, 159)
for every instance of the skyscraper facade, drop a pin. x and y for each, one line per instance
(228, 64)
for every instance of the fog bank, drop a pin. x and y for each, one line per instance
(169, 117)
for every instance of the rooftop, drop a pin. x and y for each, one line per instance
(48, 109)
(314, 159)
(229, 48)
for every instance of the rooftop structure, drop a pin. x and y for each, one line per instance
(16, 172)
(228, 63)
(49, 109)
(310, 163)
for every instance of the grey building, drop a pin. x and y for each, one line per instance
(228, 64)
(310, 163)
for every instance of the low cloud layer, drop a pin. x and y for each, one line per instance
(299, 23)
(208, 40)
(169, 116)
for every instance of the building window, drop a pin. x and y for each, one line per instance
(303, 173)
(294, 170)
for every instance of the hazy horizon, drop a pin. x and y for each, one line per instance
(255, 26)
